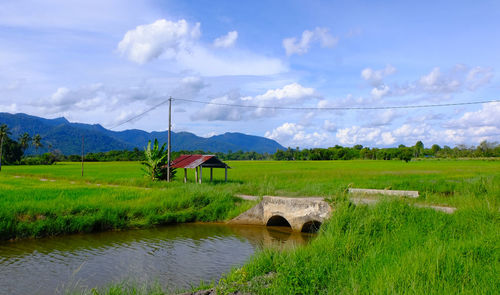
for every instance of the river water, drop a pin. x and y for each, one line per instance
(176, 257)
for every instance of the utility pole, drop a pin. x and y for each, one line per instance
(82, 155)
(169, 134)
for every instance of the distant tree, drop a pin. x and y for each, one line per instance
(435, 148)
(37, 142)
(358, 147)
(24, 140)
(4, 134)
(419, 149)
(406, 154)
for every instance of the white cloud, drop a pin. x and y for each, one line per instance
(381, 91)
(321, 35)
(375, 77)
(292, 134)
(436, 82)
(356, 135)
(232, 62)
(227, 40)
(147, 42)
(178, 42)
(487, 116)
(291, 94)
(11, 108)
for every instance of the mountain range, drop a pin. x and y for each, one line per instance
(60, 134)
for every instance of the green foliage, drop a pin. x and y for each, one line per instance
(24, 140)
(155, 162)
(4, 135)
(37, 142)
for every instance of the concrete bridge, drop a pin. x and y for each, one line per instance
(301, 214)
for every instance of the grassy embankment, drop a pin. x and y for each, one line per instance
(33, 208)
(389, 248)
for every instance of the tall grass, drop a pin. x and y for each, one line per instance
(389, 249)
(33, 208)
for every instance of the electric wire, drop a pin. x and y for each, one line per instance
(303, 108)
(141, 114)
(338, 108)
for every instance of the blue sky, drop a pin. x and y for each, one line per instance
(108, 61)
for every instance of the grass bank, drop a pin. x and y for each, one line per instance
(391, 248)
(33, 208)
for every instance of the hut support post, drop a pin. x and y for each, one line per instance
(226, 174)
(185, 175)
(201, 174)
(211, 173)
(196, 174)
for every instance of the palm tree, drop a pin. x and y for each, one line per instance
(4, 133)
(25, 140)
(37, 142)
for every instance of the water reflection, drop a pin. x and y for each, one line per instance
(176, 256)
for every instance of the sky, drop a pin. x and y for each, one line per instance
(106, 62)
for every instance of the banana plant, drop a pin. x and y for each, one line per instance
(155, 161)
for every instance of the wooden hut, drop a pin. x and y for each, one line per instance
(199, 161)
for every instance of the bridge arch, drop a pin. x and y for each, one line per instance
(311, 226)
(278, 220)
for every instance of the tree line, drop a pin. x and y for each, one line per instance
(484, 150)
(12, 152)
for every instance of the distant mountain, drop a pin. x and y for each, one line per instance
(60, 134)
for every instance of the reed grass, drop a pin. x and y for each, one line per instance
(392, 248)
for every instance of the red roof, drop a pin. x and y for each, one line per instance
(193, 161)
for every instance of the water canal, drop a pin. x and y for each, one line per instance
(176, 257)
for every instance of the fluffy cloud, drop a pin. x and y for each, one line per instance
(380, 91)
(320, 35)
(375, 77)
(227, 40)
(147, 42)
(84, 98)
(436, 82)
(178, 42)
(292, 134)
(356, 135)
(291, 94)
(487, 116)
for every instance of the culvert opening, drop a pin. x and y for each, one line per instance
(311, 226)
(278, 221)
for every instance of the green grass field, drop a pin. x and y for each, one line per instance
(388, 248)
(448, 182)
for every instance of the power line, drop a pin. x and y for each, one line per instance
(303, 108)
(338, 108)
(141, 114)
